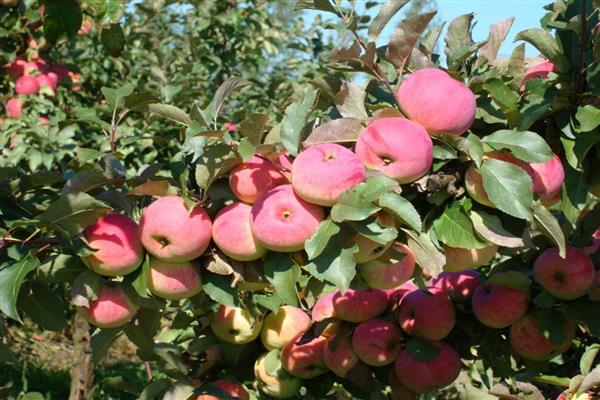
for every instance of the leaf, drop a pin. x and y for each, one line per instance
(139, 100)
(549, 226)
(350, 101)
(588, 117)
(113, 39)
(511, 279)
(547, 45)
(426, 254)
(154, 188)
(586, 362)
(552, 325)
(294, 120)
(252, 127)
(352, 206)
(508, 187)
(498, 32)
(229, 86)
(455, 229)
(386, 13)
(170, 112)
(319, 240)
(401, 209)
(73, 212)
(171, 355)
(62, 268)
(61, 18)
(422, 350)
(282, 273)
(405, 37)
(459, 43)
(214, 162)
(11, 279)
(490, 227)
(322, 5)
(42, 305)
(101, 341)
(218, 288)
(343, 130)
(505, 98)
(246, 149)
(525, 145)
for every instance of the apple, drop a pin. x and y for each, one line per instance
(430, 316)
(253, 178)
(528, 340)
(359, 305)
(538, 71)
(235, 325)
(26, 85)
(567, 278)
(391, 270)
(14, 108)
(232, 234)
(303, 356)
(459, 286)
(377, 342)
(323, 309)
(47, 81)
(368, 249)
(281, 327)
(275, 382)
(111, 308)
(232, 389)
(118, 248)
(339, 355)
(458, 259)
(171, 232)
(395, 295)
(173, 281)
(499, 306)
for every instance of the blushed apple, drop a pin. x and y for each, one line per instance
(303, 357)
(281, 327)
(232, 234)
(430, 316)
(377, 342)
(250, 180)
(390, 270)
(112, 307)
(528, 340)
(458, 259)
(460, 286)
(499, 306)
(173, 281)
(339, 355)
(359, 305)
(276, 383)
(233, 389)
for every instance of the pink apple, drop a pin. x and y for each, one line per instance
(171, 232)
(458, 259)
(45, 80)
(528, 340)
(303, 357)
(232, 234)
(437, 102)
(377, 342)
(173, 281)
(460, 286)
(118, 248)
(499, 306)
(27, 85)
(427, 376)
(339, 355)
(567, 278)
(430, 316)
(111, 309)
(86, 27)
(391, 270)
(323, 309)
(322, 172)
(250, 180)
(281, 327)
(395, 295)
(397, 147)
(538, 71)
(14, 108)
(359, 305)
(233, 389)
(282, 221)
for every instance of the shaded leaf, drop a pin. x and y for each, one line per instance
(295, 118)
(426, 254)
(549, 226)
(547, 45)
(11, 279)
(490, 227)
(405, 37)
(343, 130)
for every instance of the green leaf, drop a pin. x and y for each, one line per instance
(375, 232)
(401, 209)
(422, 350)
(405, 37)
(511, 279)
(343, 130)
(216, 161)
(552, 325)
(154, 188)
(42, 305)
(351, 206)
(455, 229)
(62, 268)
(319, 240)
(490, 227)
(549, 226)
(350, 101)
(252, 127)
(586, 362)
(588, 117)
(61, 18)
(143, 331)
(109, 11)
(139, 100)
(459, 43)
(229, 86)
(11, 279)
(171, 355)
(386, 13)
(508, 187)
(170, 112)
(295, 118)
(282, 273)
(547, 45)
(101, 341)
(73, 212)
(218, 288)
(525, 145)
(113, 39)
(246, 149)
(505, 98)
(426, 254)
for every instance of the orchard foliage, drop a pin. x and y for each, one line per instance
(355, 197)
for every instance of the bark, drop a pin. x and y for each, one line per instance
(82, 370)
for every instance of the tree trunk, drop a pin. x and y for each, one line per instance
(82, 370)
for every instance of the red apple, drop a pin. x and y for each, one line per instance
(430, 316)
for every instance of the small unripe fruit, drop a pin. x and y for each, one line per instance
(235, 325)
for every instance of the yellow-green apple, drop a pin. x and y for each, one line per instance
(538, 71)
(171, 232)
(275, 382)
(369, 249)
(322, 172)
(427, 376)
(173, 281)
(233, 389)
(567, 278)
(26, 85)
(460, 286)
(356, 305)
(303, 356)
(284, 325)
(430, 316)
(111, 308)
(235, 325)
(377, 342)
(528, 340)
(499, 306)
(14, 108)
(232, 234)
(115, 238)
(437, 102)
(397, 147)
(253, 178)
(338, 354)
(391, 270)
(458, 259)
(282, 221)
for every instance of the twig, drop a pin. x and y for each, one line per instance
(148, 370)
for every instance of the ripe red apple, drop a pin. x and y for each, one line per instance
(233, 389)
(427, 376)
(281, 327)
(26, 85)
(235, 325)
(118, 248)
(460, 286)
(499, 306)
(173, 281)
(111, 309)
(323, 309)
(232, 234)
(430, 316)
(377, 342)
(527, 339)
(390, 270)
(437, 102)
(250, 180)
(339, 355)
(14, 108)
(395, 295)
(303, 357)
(276, 383)
(359, 305)
(567, 278)
(282, 221)
(169, 231)
(47, 81)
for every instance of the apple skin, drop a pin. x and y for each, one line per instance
(14, 108)
(388, 273)
(111, 309)
(281, 327)
(359, 305)
(233, 389)
(232, 234)
(339, 355)
(58, 73)
(280, 385)
(567, 278)
(527, 339)
(399, 391)
(26, 85)
(323, 309)
(499, 306)
(429, 316)
(118, 248)
(538, 71)
(368, 249)
(377, 342)
(339, 169)
(303, 357)
(395, 295)
(458, 259)
(45, 80)
(397, 147)
(170, 232)
(424, 97)
(173, 281)
(235, 325)
(16, 68)
(459, 286)
(252, 179)
(282, 221)
(427, 376)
